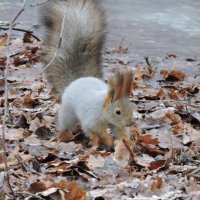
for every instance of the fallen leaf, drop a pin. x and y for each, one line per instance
(157, 164)
(121, 154)
(75, 192)
(37, 187)
(147, 139)
(144, 160)
(151, 69)
(44, 133)
(159, 94)
(3, 40)
(65, 136)
(174, 75)
(173, 95)
(27, 38)
(175, 118)
(156, 184)
(21, 122)
(96, 161)
(3, 61)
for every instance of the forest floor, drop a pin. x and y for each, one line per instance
(160, 161)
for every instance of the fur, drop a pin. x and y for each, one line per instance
(83, 37)
(83, 102)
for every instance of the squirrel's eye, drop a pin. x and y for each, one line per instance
(118, 112)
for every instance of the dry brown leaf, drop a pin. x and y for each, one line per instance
(37, 187)
(157, 164)
(13, 134)
(3, 61)
(168, 158)
(177, 128)
(29, 101)
(59, 167)
(151, 150)
(174, 75)
(96, 161)
(44, 133)
(17, 61)
(3, 40)
(65, 136)
(123, 152)
(71, 191)
(1, 156)
(190, 134)
(173, 95)
(138, 73)
(147, 139)
(62, 184)
(151, 69)
(38, 87)
(157, 96)
(175, 118)
(12, 160)
(156, 184)
(75, 192)
(2, 81)
(144, 160)
(27, 38)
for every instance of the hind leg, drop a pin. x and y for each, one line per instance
(67, 120)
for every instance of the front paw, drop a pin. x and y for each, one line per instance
(107, 140)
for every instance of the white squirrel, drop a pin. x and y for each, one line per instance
(76, 71)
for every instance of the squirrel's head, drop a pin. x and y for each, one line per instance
(117, 107)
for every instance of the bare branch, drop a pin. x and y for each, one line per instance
(38, 4)
(59, 43)
(22, 30)
(6, 95)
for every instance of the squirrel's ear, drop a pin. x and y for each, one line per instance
(110, 97)
(111, 87)
(119, 79)
(111, 91)
(128, 82)
(112, 94)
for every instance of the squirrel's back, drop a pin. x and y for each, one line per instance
(83, 35)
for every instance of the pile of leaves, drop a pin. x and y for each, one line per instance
(161, 160)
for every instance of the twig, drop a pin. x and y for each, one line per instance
(196, 76)
(28, 194)
(59, 43)
(6, 97)
(128, 148)
(150, 68)
(166, 100)
(22, 30)
(38, 4)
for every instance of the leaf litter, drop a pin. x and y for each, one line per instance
(160, 160)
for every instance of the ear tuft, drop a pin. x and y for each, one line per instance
(128, 82)
(120, 83)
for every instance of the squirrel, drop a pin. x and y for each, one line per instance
(76, 72)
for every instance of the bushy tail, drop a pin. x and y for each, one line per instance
(83, 37)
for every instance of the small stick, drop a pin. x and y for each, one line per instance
(22, 30)
(129, 149)
(38, 4)
(59, 43)
(6, 97)
(166, 100)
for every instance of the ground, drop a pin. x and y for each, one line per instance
(160, 161)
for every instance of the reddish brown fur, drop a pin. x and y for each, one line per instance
(120, 84)
(119, 80)
(128, 82)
